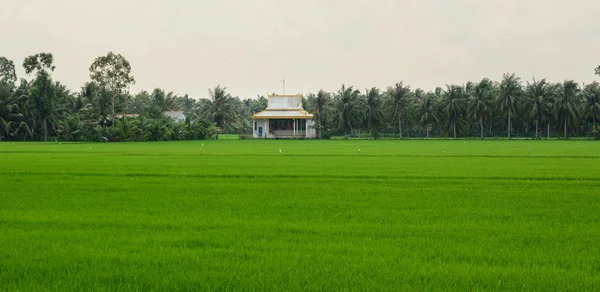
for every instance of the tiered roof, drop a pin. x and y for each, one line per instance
(284, 107)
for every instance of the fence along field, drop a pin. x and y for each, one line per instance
(319, 215)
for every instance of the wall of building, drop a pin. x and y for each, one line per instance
(288, 133)
(257, 124)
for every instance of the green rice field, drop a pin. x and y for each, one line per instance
(317, 216)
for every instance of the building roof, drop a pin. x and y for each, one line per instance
(283, 114)
(277, 101)
(284, 107)
(175, 115)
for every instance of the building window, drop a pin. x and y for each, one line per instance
(255, 125)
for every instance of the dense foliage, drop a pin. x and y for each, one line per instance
(103, 109)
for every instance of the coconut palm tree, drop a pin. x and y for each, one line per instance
(480, 102)
(372, 109)
(567, 104)
(219, 108)
(397, 98)
(509, 94)
(164, 102)
(591, 95)
(319, 103)
(69, 127)
(538, 102)
(454, 107)
(427, 111)
(9, 109)
(346, 109)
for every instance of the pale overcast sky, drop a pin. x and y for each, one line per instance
(190, 45)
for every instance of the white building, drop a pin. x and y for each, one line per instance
(177, 116)
(283, 118)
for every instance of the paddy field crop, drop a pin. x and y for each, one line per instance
(317, 215)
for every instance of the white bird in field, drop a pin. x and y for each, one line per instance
(202, 144)
(358, 150)
(279, 150)
(90, 148)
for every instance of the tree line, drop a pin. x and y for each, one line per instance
(104, 110)
(508, 108)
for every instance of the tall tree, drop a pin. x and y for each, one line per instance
(372, 109)
(454, 107)
(397, 101)
(164, 102)
(591, 95)
(42, 92)
(480, 102)
(427, 111)
(113, 73)
(509, 95)
(98, 103)
(219, 108)
(39, 62)
(319, 103)
(186, 104)
(346, 108)
(7, 71)
(538, 102)
(567, 104)
(43, 96)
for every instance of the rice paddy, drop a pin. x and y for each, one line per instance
(317, 215)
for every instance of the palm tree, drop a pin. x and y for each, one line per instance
(510, 92)
(397, 100)
(538, 102)
(372, 109)
(219, 108)
(346, 107)
(567, 104)
(319, 103)
(98, 107)
(591, 95)
(453, 106)
(9, 108)
(480, 101)
(70, 127)
(427, 111)
(22, 130)
(164, 102)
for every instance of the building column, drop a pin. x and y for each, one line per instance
(266, 133)
(294, 126)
